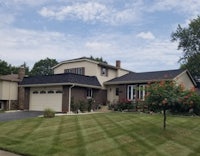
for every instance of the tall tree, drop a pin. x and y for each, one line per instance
(189, 42)
(98, 59)
(43, 67)
(4, 68)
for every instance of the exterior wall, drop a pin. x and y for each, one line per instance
(90, 68)
(100, 96)
(184, 79)
(122, 92)
(8, 90)
(27, 98)
(65, 99)
(112, 73)
(21, 98)
(79, 94)
(121, 72)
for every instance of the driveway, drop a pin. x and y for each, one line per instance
(9, 116)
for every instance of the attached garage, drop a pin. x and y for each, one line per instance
(42, 98)
(54, 91)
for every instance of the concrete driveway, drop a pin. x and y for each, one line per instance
(17, 115)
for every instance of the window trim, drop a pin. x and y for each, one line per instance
(89, 93)
(131, 92)
(142, 92)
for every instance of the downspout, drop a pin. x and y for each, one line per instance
(70, 94)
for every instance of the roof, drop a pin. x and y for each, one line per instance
(146, 77)
(11, 77)
(89, 60)
(61, 79)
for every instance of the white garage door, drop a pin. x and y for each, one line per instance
(48, 98)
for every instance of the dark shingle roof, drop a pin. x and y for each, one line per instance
(66, 78)
(146, 77)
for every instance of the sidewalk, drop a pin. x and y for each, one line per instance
(4, 153)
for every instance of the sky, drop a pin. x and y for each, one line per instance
(137, 32)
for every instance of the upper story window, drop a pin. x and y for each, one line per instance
(80, 70)
(104, 71)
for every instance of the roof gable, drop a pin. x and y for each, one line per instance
(66, 78)
(146, 77)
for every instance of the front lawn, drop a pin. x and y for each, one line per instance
(108, 134)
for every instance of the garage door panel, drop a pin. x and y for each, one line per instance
(40, 102)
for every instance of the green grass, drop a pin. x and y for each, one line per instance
(111, 134)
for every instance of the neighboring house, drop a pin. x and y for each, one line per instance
(84, 78)
(9, 90)
(132, 86)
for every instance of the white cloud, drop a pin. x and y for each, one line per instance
(98, 46)
(92, 12)
(183, 6)
(87, 11)
(146, 35)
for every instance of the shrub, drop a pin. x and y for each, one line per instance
(49, 113)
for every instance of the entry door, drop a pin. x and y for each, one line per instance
(131, 92)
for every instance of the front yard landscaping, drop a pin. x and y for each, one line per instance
(103, 134)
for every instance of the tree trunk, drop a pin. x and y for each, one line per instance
(165, 117)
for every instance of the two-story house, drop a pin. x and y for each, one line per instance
(85, 78)
(80, 78)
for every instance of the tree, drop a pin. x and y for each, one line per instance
(189, 42)
(193, 64)
(167, 95)
(6, 69)
(98, 59)
(43, 67)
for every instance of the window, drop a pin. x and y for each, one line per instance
(117, 92)
(80, 70)
(59, 92)
(89, 93)
(1, 106)
(141, 92)
(131, 92)
(50, 92)
(42, 92)
(35, 92)
(104, 71)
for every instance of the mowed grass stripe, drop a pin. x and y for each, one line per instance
(112, 142)
(103, 134)
(140, 137)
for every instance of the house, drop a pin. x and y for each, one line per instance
(79, 79)
(84, 78)
(9, 90)
(132, 85)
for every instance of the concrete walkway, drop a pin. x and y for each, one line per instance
(5, 153)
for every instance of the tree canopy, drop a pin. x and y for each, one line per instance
(188, 39)
(6, 69)
(98, 59)
(167, 95)
(43, 67)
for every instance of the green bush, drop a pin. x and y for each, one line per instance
(49, 113)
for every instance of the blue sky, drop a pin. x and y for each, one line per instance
(137, 32)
